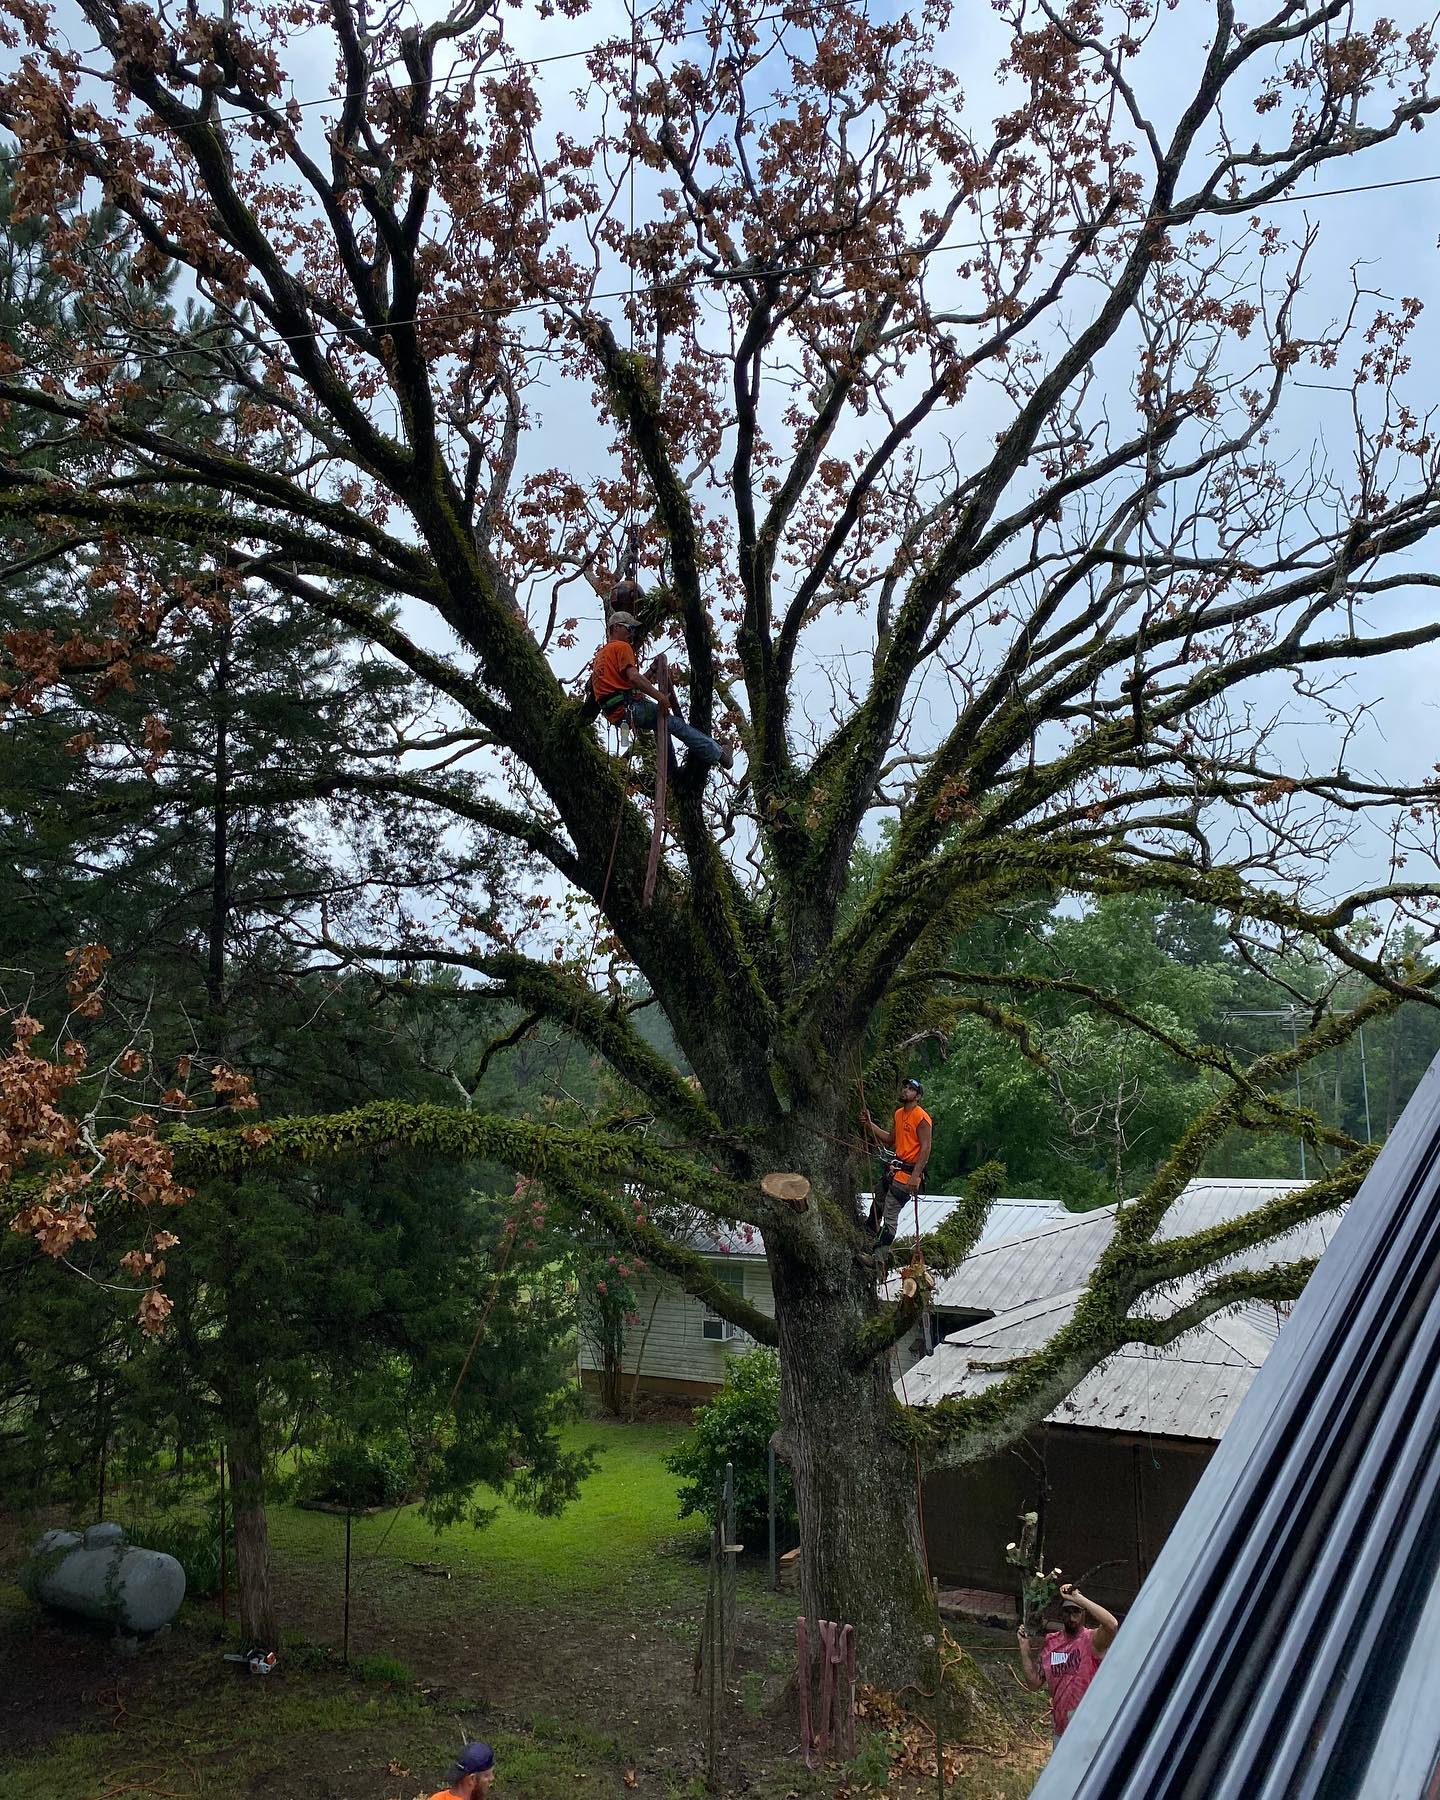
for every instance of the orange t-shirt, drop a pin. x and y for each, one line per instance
(613, 662)
(907, 1135)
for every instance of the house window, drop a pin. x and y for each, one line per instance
(713, 1328)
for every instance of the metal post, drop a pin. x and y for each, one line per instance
(711, 1609)
(224, 1566)
(774, 1567)
(720, 1541)
(345, 1657)
(728, 1569)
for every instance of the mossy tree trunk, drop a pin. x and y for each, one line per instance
(259, 1626)
(856, 1483)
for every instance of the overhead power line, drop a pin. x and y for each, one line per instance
(459, 77)
(731, 277)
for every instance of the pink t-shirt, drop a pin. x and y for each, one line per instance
(1068, 1665)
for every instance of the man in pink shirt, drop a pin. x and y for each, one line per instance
(1069, 1657)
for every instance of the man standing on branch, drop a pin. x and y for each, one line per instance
(628, 697)
(1070, 1656)
(909, 1144)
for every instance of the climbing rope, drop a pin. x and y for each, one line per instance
(917, 1271)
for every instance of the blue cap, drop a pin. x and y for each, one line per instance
(475, 1759)
(910, 1081)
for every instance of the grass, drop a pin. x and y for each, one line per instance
(206, 1745)
(618, 1564)
(254, 1742)
(608, 1537)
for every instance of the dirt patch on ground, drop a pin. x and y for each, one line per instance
(594, 1699)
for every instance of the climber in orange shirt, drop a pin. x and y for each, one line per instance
(909, 1143)
(627, 697)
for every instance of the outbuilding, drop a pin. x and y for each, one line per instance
(1112, 1465)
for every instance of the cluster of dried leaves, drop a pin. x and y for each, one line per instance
(993, 1742)
(59, 1165)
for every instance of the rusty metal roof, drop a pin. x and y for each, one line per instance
(1059, 1254)
(1190, 1389)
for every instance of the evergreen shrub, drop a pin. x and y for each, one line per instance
(736, 1427)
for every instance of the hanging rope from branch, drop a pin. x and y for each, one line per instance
(659, 673)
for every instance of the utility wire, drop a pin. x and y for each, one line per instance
(459, 77)
(732, 277)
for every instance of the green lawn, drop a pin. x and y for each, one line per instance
(625, 1509)
(597, 1614)
(228, 1735)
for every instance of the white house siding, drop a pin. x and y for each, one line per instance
(680, 1361)
(678, 1358)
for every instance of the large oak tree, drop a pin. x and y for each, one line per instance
(962, 450)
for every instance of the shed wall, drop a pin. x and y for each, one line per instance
(1112, 1502)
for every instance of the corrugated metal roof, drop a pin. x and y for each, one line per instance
(1059, 1255)
(1313, 1525)
(1190, 1389)
(1005, 1219)
(1050, 1259)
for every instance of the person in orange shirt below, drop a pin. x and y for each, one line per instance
(472, 1776)
(627, 697)
(909, 1143)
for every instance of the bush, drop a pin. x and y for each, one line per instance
(736, 1427)
(194, 1542)
(378, 1473)
(869, 1768)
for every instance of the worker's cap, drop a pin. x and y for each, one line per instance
(627, 619)
(475, 1759)
(910, 1081)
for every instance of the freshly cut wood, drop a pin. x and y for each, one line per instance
(794, 1190)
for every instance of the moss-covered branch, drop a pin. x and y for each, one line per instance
(627, 1222)
(441, 1133)
(942, 1251)
(1283, 1282)
(967, 1426)
(601, 1025)
(629, 386)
